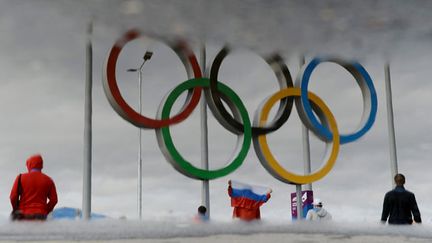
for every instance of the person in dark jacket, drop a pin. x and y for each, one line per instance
(37, 195)
(400, 205)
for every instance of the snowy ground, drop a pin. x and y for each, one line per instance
(283, 237)
(186, 231)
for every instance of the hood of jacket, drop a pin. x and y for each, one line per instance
(321, 212)
(34, 162)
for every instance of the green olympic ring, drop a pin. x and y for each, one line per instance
(172, 155)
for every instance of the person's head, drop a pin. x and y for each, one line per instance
(317, 203)
(399, 179)
(202, 210)
(34, 162)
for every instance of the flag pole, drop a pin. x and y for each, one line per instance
(87, 167)
(205, 189)
(390, 124)
(306, 145)
(299, 202)
(306, 163)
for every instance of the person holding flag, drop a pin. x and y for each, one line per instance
(247, 200)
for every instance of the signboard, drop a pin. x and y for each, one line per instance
(307, 200)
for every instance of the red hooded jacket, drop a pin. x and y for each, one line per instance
(36, 189)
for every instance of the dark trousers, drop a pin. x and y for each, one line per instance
(41, 217)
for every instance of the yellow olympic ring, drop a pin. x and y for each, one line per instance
(272, 165)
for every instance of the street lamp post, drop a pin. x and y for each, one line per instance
(146, 57)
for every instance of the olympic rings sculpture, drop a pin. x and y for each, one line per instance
(313, 112)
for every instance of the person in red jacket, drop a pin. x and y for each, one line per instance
(37, 195)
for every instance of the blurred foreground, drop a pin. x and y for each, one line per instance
(187, 231)
(312, 238)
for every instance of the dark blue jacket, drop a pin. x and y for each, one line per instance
(399, 204)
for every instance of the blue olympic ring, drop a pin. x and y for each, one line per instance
(369, 96)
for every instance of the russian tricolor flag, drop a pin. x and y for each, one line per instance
(248, 196)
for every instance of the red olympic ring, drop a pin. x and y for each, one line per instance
(122, 107)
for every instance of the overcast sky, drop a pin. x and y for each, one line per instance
(42, 74)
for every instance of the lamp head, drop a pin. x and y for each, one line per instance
(147, 55)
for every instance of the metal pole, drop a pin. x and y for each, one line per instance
(306, 145)
(146, 57)
(87, 167)
(139, 149)
(390, 125)
(299, 202)
(205, 189)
